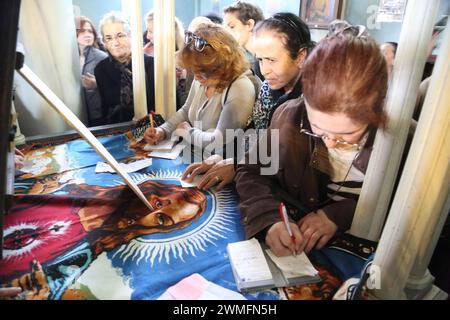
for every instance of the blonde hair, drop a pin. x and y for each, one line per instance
(223, 58)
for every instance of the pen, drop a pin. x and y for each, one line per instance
(284, 217)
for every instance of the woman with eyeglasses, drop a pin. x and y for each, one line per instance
(114, 75)
(221, 96)
(281, 44)
(326, 139)
(90, 56)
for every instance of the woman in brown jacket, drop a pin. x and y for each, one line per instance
(326, 138)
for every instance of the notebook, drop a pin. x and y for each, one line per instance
(256, 268)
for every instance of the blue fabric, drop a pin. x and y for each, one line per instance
(148, 264)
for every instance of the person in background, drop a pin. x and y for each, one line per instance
(90, 56)
(149, 45)
(389, 50)
(429, 66)
(326, 139)
(221, 96)
(197, 21)
(240, 19)
(281, 44)
(114, 75)
(214, 17)
(182, 88)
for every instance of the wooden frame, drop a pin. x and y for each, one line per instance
(318, 14)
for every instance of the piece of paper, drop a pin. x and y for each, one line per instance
(128, 167)
(293, 266)
(193, 184)
(165, 145)
(190, 288)
(195, 287)
(248, 261)
(171, 155)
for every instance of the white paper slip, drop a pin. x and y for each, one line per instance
(128, 167)
(292, 267)
(165, 145)
(192, 184)
(171, 155)
(247, 259)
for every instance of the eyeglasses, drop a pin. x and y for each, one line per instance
(325, 137)
(199, 42)
(119, 36)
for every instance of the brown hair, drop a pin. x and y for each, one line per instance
(347, 74)
(79, 23)
(223, 58)
(245, 11)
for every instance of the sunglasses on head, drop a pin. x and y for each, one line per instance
(199, 42)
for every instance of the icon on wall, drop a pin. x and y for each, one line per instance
(319, 14)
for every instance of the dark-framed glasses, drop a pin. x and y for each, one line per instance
(326, 137)
(199, 42)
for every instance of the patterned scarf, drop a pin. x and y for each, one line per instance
(267, 102)
(126, 93)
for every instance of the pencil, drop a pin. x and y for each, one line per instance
(151, 120)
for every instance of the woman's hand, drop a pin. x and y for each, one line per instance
(280, 242)
(184, 126)
(149, 48)
(317, 230)
(10, 291)
(221, 174)
(88, 81)
(199, 168)
(154, 135)
(19, 159)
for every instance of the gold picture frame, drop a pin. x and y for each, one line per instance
(318, 14)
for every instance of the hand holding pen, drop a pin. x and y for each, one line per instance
(285, 218)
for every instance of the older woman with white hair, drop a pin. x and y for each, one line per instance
(114, 74)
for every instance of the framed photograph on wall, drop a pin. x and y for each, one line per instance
(319, 13)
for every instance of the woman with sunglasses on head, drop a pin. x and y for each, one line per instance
(221, 96)
(326, 139)
(114, 75)
(281, 44)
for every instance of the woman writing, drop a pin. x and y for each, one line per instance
(221, 96)
(326, 140)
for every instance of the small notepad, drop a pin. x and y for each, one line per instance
(167, 154)
(255, 270)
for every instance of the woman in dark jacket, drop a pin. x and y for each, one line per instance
(113, 74)
(90, 56)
